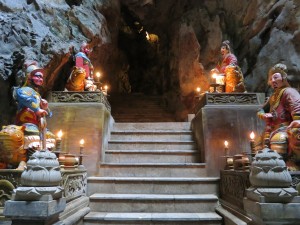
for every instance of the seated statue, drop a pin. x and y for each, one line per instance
(234, 78)
(281, 114)
(30, 109)
(81, 77)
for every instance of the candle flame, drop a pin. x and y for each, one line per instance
(198, 89)
(98, 74)
(252, 135)
(147, 36)
(81, 142)
(226, 144)
(106, 87)
(59, 134)
(214, 75)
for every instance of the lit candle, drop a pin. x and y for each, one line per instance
(226, 147)
(252, 145)
(98, 75)
(198, 89)
(58, 141)
(214, 77)
(105, 90)
(81, 142)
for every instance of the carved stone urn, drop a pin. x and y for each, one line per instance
(42, 170)
(270, 178)
(41, 178)
(269, 170)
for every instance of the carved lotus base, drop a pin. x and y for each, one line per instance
(273, 195)
(37, 193)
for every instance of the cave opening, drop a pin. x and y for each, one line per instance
(140, 50)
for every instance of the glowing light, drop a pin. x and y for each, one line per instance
(81, 142)
(252, 135)
(226, 144)
(198, 89)
(59, 134)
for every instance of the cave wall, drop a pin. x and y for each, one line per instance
(261, 32)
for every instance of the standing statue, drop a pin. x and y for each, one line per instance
(228, 67)
(15, 147)
(281, 113)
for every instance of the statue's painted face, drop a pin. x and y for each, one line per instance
(276, 80)
(85, 49)
(224, 50)
(37, 79)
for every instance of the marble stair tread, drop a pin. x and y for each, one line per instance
(152, 216)
(155, 197)
(199, 165)
(156, 179)
(152, 141)
(179, 152)
(144, 131)
(152, 125)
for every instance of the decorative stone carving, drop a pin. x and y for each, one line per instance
(233, 185)
(232, 99)
(72, 96)
(270, 178)
(41, 178)
(269, 170)
(74, 183)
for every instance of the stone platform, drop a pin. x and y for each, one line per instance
(225, 116)
(81, 115)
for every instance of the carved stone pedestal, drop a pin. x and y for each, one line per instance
(273, 213)
(35, 212)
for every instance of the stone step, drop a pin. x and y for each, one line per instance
(150, 156)
(151, 135)
(153, 169)
(151, 145)
(138, 118)
(153, 126)
(195, 203)
(153, 185)
(117, 218)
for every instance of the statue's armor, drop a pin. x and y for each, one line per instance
(28, 103)
(284, 110)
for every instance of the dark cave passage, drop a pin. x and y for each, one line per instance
(140, 50)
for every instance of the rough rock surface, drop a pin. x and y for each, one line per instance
(261, 32)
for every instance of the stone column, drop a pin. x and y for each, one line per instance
(39, 200)
(271, 200)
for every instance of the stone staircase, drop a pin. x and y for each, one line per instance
(151, 175)
(138, 107)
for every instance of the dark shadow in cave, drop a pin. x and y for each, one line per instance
(142, 55)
